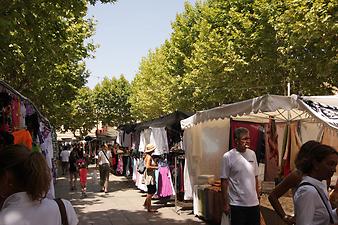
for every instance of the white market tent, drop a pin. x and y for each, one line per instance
(207, 133)
(283, 108)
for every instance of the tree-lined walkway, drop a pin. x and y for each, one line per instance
(121, 206)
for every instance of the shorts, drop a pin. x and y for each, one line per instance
(151, 189)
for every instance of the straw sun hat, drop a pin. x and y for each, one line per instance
(150, 148)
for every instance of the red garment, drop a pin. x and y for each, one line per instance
(23, 137)
(83, 176)
(253, 130)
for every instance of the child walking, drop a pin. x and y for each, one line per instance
(82, 163)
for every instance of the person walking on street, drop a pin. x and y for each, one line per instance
(239, 181)
(103, 163)
(25, 180)
(65, 153)
(73, 170)
(150, 181)
(82, 164)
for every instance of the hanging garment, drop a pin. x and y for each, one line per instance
(119, 137)
(119, 170)
(135, 140)
(22, 115)
(310, 131)
(142, 142)
(23, 137)
(330, 138)
(127, 140)
(164, 182)
(253, 131)
(5, 122)
(15, 113)
(271, 151)
(158, 137)
(293, 145)
(134, 169)
(29, 109)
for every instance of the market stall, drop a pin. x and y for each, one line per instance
(29, 127)
(166, 134)
(278, 125)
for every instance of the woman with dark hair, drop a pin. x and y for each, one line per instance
(311, 201)
(73, 169)
(24, 182)
(290, 182)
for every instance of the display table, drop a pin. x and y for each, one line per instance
(208, 203)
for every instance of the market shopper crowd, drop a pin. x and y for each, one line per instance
(25, 180)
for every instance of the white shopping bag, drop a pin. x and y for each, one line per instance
(225, 219)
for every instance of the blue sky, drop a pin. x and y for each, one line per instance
(126, 31)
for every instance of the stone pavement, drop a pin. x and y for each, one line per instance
(121, 206)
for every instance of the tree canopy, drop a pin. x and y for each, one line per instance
(42, 50)
(82, 113)
(111, 101)
(218, 52)
(225, 51)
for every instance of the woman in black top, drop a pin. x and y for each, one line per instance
(74, 156)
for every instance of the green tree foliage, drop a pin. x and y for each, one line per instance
(225, 51)
(82, 111)
(306, 32)
(111, 101)
(42, 49)
(155, 81)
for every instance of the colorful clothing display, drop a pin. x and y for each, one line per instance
(23, 137)
(23, 123)
(164, 182)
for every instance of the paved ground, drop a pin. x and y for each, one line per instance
(121, 206)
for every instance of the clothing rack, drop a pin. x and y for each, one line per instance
(181, 156)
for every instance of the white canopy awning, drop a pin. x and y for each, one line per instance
(282, 108)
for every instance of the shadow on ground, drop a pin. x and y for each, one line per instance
(119, 207)
(124, 217)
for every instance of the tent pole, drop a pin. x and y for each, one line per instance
(176, 184)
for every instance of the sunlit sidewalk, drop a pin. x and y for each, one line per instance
(121, 206)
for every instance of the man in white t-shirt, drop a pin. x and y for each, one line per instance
(65, 153)
(239, 177)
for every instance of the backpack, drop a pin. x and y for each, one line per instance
(141, 166)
